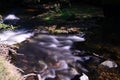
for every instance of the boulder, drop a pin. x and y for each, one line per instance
(109, 64)
(84, 77)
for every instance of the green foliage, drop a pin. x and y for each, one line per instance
(71, 14)
(6, 27)
(57, 7)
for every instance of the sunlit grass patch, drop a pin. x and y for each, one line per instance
(8, 71)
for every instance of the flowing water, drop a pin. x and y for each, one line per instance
(54, 57)
(51, 56)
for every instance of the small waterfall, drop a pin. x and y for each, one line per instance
(14, 37)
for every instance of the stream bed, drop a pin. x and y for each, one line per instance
(59, 56)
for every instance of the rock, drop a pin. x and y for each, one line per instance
(11, 19)
(84, 77)
(110, 64)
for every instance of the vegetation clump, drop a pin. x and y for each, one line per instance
(6, 27)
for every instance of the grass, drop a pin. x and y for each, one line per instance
(6, 27)
(8, 71)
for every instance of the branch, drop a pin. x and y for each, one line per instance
(31, 74)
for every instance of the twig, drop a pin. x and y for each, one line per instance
(31, 74)
(20, 69)
(27, 75)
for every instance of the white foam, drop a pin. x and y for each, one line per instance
(52, 46)
(66, 47)
(66, 42)
(12, 37)
(11, 17)
(6, 34)
(54, 39)
(76, 38)
(47, 38)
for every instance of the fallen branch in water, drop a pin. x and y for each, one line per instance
(31, 74)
